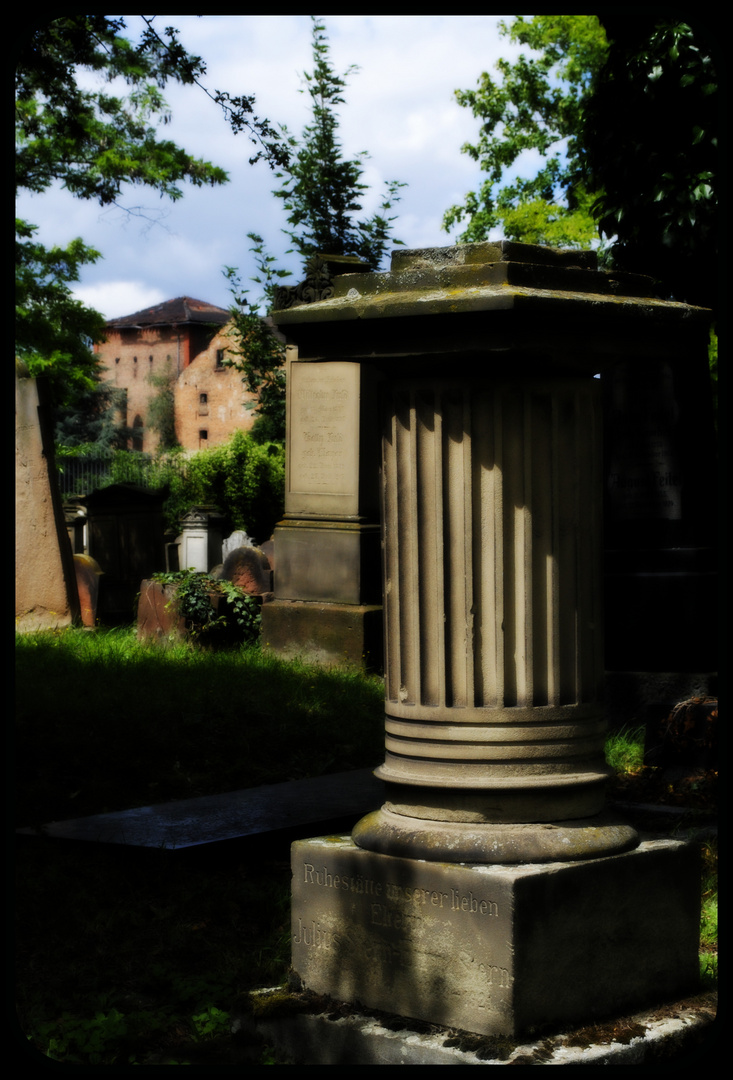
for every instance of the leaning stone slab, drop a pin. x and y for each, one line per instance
(496, 950)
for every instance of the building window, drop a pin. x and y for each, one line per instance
(150, 359)
(203, 438)
(137, 433)
(220, 358)
(203, 404)
(117, 359)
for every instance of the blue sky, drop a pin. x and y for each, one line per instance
(400, 107)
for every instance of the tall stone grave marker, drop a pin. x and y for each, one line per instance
(45, 582)
(328, 576)
(492, 891)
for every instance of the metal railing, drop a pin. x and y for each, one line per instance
(81, 474)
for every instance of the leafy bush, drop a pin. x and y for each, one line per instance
(243, 478)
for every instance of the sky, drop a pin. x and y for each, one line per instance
(400, 108)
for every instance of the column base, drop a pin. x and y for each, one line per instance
(489, 843)
(496, 950)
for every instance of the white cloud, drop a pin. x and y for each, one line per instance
(117, 298)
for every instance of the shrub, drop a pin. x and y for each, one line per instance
(243, 478)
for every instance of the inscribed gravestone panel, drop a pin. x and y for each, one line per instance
(323, 459)
(425, 940)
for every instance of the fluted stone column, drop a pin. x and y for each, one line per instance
(493, 622)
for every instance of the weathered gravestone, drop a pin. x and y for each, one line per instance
(660, 516)
(88, 574)
(237, 539)
(249, 569)
(492, 891)
(126, 538)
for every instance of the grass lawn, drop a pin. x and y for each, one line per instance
(128, 955)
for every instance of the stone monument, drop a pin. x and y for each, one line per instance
(201, 544)
(46, 594)
(492, 891)
(328, 592)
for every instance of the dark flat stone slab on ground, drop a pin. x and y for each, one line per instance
(234, 814)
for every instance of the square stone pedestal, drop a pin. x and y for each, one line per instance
(496, 949)
(325, 633)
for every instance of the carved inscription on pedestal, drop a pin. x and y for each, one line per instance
(425, 940)
(324, 428)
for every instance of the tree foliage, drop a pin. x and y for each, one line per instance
(96, 142)
(321, 190)
(53, 331)
(624, 115)
(244, 479)
(648, 144)
(162, 408)
(93, 418)
(257, 351)
(534, 109)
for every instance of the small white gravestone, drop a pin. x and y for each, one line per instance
(238, 539)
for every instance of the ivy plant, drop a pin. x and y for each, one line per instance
(193, 590)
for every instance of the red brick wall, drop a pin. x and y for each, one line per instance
(210, 398)
(131, 355)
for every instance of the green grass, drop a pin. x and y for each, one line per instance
(107, 723)
(637, 782)
(131, 955)
(709, 916)
(625, 750)
(128, 955)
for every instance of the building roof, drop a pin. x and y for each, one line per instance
(184, 309)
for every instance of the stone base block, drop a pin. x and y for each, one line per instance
(334, 562)
(496, 950)
(325, 633)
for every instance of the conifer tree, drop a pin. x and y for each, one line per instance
(322, 194)
(322, 191)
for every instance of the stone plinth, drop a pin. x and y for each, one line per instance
(333, 562)
(498, 950)
(325, 633)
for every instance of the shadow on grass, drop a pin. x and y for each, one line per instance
(128, 955)
(105, 723)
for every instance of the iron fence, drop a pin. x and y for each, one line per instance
(81, 474)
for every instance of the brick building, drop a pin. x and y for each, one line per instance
(186, 339)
